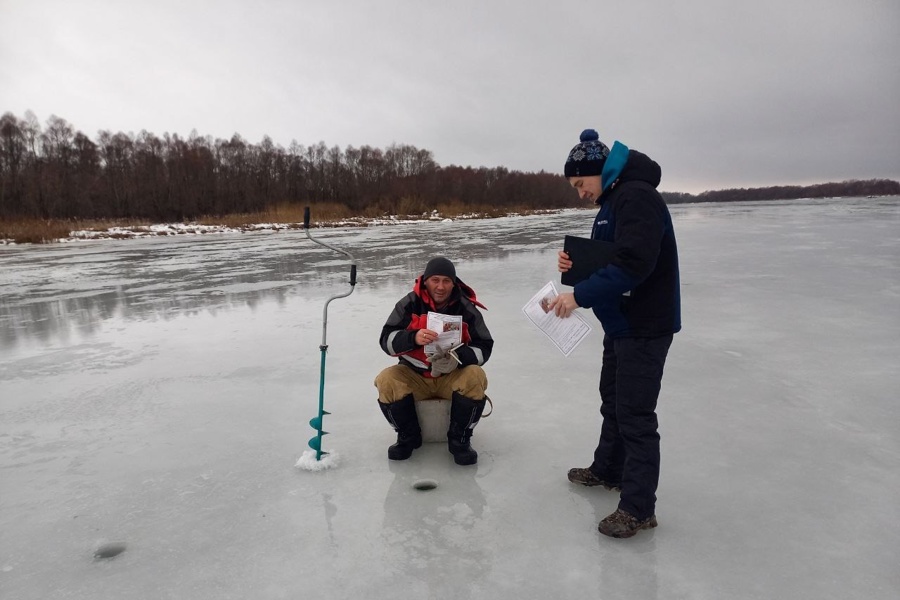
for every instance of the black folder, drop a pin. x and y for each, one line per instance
(587, 256)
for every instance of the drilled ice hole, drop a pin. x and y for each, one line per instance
(424, 485)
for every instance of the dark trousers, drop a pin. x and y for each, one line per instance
(628, 450)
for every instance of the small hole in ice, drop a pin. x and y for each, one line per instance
(110, 550)
(424, 485)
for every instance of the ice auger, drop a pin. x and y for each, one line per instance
(316, 422)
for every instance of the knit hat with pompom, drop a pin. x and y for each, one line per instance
(587, 157)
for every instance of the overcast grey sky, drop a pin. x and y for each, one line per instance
(721, 94)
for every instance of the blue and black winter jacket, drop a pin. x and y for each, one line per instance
(638, 293)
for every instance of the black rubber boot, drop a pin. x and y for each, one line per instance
(403, 418)
(464, 415)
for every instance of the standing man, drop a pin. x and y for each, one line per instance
(455, 375)
(637, 299)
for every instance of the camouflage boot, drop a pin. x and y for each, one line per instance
(621, 524)
(587, 478)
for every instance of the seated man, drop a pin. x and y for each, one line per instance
(455, 375)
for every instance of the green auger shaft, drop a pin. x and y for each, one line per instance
(316, 422)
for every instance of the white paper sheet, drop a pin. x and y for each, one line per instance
(566, 333)
(449, 330)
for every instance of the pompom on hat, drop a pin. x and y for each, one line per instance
(587, 157)
(439, 266)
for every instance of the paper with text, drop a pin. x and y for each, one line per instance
(565, 334)
(448, 328)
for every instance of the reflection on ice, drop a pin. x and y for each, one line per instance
(50, 290)
(436, 539)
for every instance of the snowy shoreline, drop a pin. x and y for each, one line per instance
(193, 228)
(168, 229)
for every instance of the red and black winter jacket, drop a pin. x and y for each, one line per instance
(398, 336)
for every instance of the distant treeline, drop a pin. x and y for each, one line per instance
(57, 172)
(852, 188)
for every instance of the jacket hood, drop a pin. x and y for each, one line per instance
(640, 167)
(623, 165)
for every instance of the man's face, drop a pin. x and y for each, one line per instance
(439, 288)
(588, 188)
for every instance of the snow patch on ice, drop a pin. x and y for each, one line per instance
(308, 461)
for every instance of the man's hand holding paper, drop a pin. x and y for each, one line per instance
(563, 305)
(547, 310)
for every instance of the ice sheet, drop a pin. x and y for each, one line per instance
(157, 392)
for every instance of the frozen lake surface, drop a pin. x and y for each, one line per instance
(157, 392)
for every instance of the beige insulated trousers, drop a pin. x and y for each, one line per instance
(396, 382)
